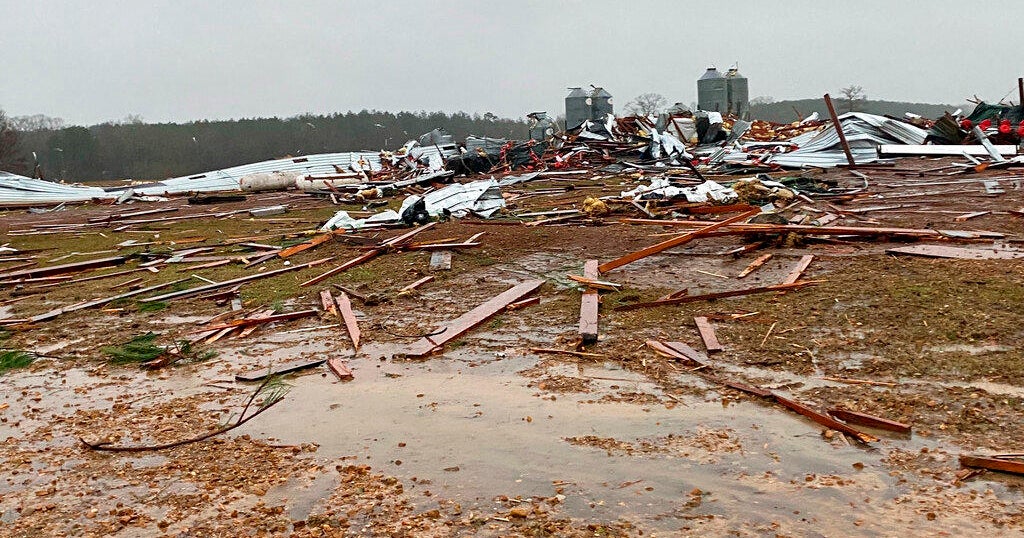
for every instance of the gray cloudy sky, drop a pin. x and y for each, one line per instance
(93, 61)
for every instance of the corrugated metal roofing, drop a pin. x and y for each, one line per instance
(18, 190)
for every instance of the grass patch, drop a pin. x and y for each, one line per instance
(10, 360)
(154, 306)
(138, 349)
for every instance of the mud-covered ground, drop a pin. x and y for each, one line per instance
(490, 438)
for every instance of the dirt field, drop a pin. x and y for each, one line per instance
(489, 438)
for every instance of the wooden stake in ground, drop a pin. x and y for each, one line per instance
(589, 305)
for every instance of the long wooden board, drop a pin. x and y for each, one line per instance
(351, 325)
(718, 295)
(707, 334)
(462, 324)
(51, 270)
(589, 304)
(959, 253)
(228, 283)
(798, 269)
(871, 421)
(674, 242)
(995, 464)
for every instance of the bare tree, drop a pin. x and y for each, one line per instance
(11, 159)
(36, 122)
(647, 104)
(853, 98)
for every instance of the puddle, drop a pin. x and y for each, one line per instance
(471, 433)
(967, 348)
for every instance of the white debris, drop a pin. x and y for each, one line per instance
(661, 187)
(482, 198)
(341, 219)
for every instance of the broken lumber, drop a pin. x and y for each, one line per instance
(351, 325)
(707, 334)
(824, 419)
(327, 301)
(416, 284)
(261, 320)
(554, 351)
(718, 295)
(523, 304)
(365, 257)
(312, 243)
(993, 464)
(677, 350)
(227, 283)
(674, 242)
(755, 265)
(870, 421)
(798, 269)
(53, 270)
(462, 324)
(100, 302)
(959, 253)
(596, 284)
(589, 303)
(340, 369)
(258, 375)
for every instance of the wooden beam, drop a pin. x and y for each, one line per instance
(718, 295)
(824, 419)
(340, 369)
(798, 269)
(418, 283)
(523, 304)
(312, 243)
(994, 464)
(674, 242)
(52, 270)
(960, 253)
(351, 325)
(839, 131)
(754, 265)
(365, 257)
(327, 301)
(259, 375)
(248, 322)
(753, 228)
(871, 421)
(100, 302)
(707, 334)
(589, 303)
(229, 283)
(462, 324)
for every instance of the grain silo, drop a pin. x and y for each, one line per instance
(712, 91)
(738, 94)
(600, 104)
(577, 108)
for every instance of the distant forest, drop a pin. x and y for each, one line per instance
(132, 149)
(137, 150)
(786, 111)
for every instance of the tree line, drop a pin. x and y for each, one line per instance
(151, 151)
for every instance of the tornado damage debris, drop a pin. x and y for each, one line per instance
(614, 326)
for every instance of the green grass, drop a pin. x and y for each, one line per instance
(10, 360)
(154, 306)
(138, 349)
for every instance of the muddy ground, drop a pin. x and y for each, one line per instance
(490, 438)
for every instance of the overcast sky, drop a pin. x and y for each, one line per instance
(98, 60)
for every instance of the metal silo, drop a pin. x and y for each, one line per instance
(541, 126)
(739, 102)
(577, 108)
(601, 104)
(712, 91)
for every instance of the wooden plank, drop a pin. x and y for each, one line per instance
(824, 420)
(229, 283)
(523, 304)
(707, 334)
(100, 302)
(327, 301)
(441, 246)
(418, 283)
(596, 284)
(871, 421)
(53, 270)
(462, 324)
(718, 295)
(674, 242)
(755, 265)
(969, 216)
(261, 320)
(441, 260)
(340, 369)
(674, 351)
(404, 238)
(365, 257)
(351, 325)
(688, 352)
(754, 228)
(259, 375)
(312, 243)
(589, 304)
(798, 269)
(994, 464)
(959, 253)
